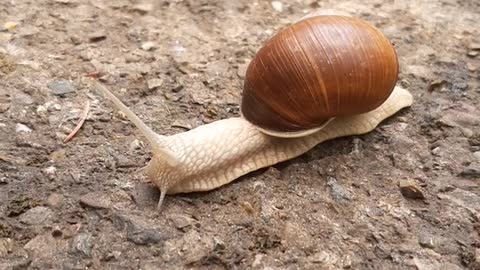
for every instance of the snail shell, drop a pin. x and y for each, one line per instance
(315, 70)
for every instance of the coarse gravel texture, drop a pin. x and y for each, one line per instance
(405, 196)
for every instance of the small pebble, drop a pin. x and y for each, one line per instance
(149, 45)
(177, 88)
(257, 262)
(41, 109)
(455, 118)
(76, 40)
(71, 230)
(181, 222)
(97, 36)
(114, 255)
(136, 145)
(321, 257)
(459, 86)
(474, 50)
(36, 215)
(426, 240)
(473, 53)
(347, 262)
(437, 85)
(96, 200)
(277, 6)
(468, 133)
(338, 192)
(260, 186)
(436, 151)
(44, 246)
(471, 67)
(6, 246)
(181, 124)
(5, 103)
(22, 128)
(424, 264)
(218, 244)
(477, 257)
(142, 236)
(477, 155)
(82, 244)
(247, 207)
(154, 83)
(10, 26)
(61, 87)
(50, 171)
(472, 171)
(122, 161)
(55, 200)
(143, 8)
(179, 49)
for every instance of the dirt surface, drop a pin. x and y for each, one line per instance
(405, 196)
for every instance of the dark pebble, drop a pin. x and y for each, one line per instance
(97, 36)
(142, 236)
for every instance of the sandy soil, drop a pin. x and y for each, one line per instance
(180, 64)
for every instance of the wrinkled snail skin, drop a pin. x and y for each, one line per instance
(215, 154)
(321, 78)
(224, 150)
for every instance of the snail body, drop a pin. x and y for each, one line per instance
(215, 154)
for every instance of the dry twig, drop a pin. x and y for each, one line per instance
(83, 117)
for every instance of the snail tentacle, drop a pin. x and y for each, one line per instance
(158, 142)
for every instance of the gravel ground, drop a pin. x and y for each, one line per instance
(405, 196)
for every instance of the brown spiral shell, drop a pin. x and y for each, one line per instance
(317, 69)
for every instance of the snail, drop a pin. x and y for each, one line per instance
(320, 78)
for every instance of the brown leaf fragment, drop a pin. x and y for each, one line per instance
(410, 190)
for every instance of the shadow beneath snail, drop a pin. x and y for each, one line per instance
(338, 147)
(343, 146)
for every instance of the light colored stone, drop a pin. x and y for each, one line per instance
(6, 246)
(22, 128)
(36, 215)
(149, 45)
(277, 6)
(55, 200)
(154, 83)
